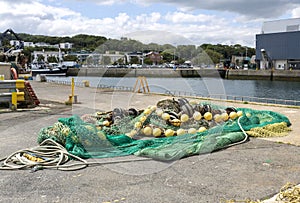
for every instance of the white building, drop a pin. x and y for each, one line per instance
(46, 54)
(285, 25)
(29, 44)
(66, 45)
(14, 43)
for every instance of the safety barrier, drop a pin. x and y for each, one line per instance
(9, 93)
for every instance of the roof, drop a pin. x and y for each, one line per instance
(284, 25)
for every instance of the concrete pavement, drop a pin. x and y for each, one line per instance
(256, 169)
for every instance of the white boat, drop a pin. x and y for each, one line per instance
(48, 69)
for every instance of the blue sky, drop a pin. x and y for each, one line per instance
(160, 21)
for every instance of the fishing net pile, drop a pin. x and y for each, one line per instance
(171, 129)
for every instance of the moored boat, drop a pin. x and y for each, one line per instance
(48, 69)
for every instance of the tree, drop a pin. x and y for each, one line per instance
(214, 56)
(134, 60)
(40, 58)
(70, 58)
(52, 59)
(167, 56)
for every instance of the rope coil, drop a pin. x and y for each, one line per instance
(49, 154)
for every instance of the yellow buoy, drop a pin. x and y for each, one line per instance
(176, 122)
(192, 131)
(156, 132)
(159, 112)
(233, 115)
(153, 108)
(180, 131)
(208, 116)
(165, 116)
(202, 129)
(106, 123)
(147, 130)
(143, 118)
(239, 113)
(169, 133)
(147, 111)
(138, 125)
(218, 118)
(184, 118)
(224, 116)
(197, 115)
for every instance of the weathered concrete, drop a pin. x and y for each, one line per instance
(293, 75)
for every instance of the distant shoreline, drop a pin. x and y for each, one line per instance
(278, 75)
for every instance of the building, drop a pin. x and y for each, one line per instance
(278, 45)
(155, 57)
(46, 54)
(97, 58)
(66, 45)
(15, 43)
(29, 44)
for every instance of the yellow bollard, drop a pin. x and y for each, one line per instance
(71, 97)
(86, 83)
(72, 87)
(14, 100)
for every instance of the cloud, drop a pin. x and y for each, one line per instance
(186, 27)
(251, 9)
(159, 37)
(296, 12)
(180, 17)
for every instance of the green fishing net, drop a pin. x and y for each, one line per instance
(162, 132)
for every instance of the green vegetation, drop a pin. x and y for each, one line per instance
(204, 54)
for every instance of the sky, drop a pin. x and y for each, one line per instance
(160, 21)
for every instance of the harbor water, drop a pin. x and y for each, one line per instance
(279, 92)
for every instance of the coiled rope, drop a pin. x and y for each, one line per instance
(50, 155)
(289, 193)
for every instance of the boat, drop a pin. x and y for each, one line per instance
(54, 69)
(42, 68)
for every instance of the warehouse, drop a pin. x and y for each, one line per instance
(278, 45)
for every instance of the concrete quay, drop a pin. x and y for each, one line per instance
(281, 75)
(290, 75)
(256, 169)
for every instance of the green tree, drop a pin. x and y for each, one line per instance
(40, 58)
(70, 58)
(134, 60)
(52, 59)
(214, 56)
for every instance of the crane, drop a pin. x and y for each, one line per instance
(15, 48)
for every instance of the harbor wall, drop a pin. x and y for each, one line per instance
(155, 72)
(291, 75)
(189, 72)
